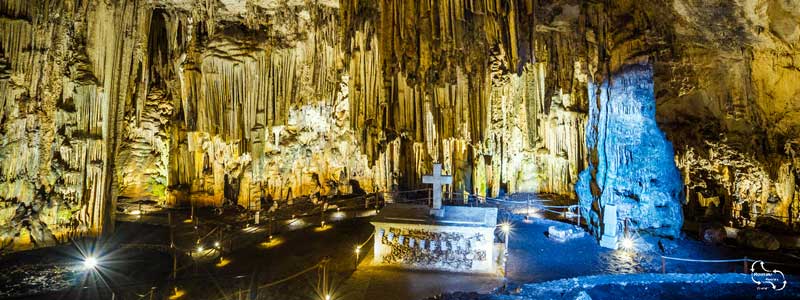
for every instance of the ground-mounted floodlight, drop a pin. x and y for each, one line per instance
(506, 227)
(627, 243)
(90, 263)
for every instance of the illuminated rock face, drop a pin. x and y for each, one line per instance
(221, 102)
(67, 70)
(632, 164)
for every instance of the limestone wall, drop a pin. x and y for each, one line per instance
(223, 102)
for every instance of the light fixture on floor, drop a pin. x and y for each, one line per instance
(627, 243)
(90, 262)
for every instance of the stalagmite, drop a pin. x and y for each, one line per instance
(212, 103)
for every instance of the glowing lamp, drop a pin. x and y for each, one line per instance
(327, 297)
(358, 249)
(505, 227)
(216, 244)
(90, 262)
(200, 248)
(627, 243)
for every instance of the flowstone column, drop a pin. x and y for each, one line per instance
(632, 165)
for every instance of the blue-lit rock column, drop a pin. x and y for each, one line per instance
(631, 163)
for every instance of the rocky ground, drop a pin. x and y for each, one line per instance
(139, 260)
(639, 286)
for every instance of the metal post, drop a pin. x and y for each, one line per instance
(505, 258)
(269, 233)
(172, 246)
(744, 264)
(358, 252)
(322, 214)
(663, 265)
(528, 210)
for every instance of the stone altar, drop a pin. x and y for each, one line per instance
(461, 240)
(445, 238)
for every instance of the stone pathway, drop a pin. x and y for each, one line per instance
(384, 283)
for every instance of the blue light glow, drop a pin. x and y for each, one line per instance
(631, 163)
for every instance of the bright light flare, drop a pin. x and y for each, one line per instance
(627, 243)
(177, 294)
(506, 227)
(272, 242)
(358, 249)
(90, 262)
(338, 215)
(223, 262)
(200, 248)
(216, 244)
(322, 228)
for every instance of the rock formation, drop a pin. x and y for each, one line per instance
(219, 102)
(632, 164)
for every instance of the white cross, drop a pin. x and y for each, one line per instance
(437, 180)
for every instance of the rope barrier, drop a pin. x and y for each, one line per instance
(556, 206)
(726, 260)
(706, 260)
(295, 275)
(367, 241)
(282, 280)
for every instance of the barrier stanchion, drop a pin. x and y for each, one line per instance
(744, 265)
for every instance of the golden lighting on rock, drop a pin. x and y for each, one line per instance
(275, 241)
(177, 294)
(223, 262)
(322, 228)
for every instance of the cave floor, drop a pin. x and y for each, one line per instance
(536, 258)
(248, 262)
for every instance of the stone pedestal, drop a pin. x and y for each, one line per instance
(460, 240)
(609, 237)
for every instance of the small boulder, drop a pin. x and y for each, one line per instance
(772, 225)
(667, 246)
(712, 233)
(580, 295)
(563, 234)
(757, 239)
